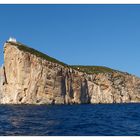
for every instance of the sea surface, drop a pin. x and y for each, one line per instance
(70, 120)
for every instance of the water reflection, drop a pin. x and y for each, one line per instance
(31, 119)
(15, 121)
(70, 120)
(17, 117)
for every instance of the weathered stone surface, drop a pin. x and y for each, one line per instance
(28, 79)
(2, 76)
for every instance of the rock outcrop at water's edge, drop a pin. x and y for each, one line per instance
(28, 78)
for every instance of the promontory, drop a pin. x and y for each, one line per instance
(31, 77)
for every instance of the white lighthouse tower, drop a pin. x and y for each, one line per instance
(12, 40)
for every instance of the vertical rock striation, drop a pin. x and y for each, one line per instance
(27, 78)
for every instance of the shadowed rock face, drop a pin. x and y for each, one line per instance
(28, 79)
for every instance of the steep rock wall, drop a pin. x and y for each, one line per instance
(28, 79)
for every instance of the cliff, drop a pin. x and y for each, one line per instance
(31, 77)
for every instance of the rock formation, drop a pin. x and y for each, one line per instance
(30, 77)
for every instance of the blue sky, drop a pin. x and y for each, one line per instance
(104, 35)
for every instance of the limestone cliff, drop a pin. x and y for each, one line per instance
(30, 77)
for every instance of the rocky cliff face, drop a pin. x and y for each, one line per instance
(27, 78)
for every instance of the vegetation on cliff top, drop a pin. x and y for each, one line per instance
(25, 48)
(86, 69)
(93, 69)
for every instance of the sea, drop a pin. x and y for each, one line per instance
(70, 120)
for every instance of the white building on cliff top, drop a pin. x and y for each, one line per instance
(12, 40)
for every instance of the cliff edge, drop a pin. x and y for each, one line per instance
(31, 77)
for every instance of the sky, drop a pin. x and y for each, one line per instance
(102, 35)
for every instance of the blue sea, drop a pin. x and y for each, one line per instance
(70, 120)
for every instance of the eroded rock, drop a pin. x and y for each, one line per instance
(26, 78)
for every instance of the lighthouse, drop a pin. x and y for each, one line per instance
(12, 40)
